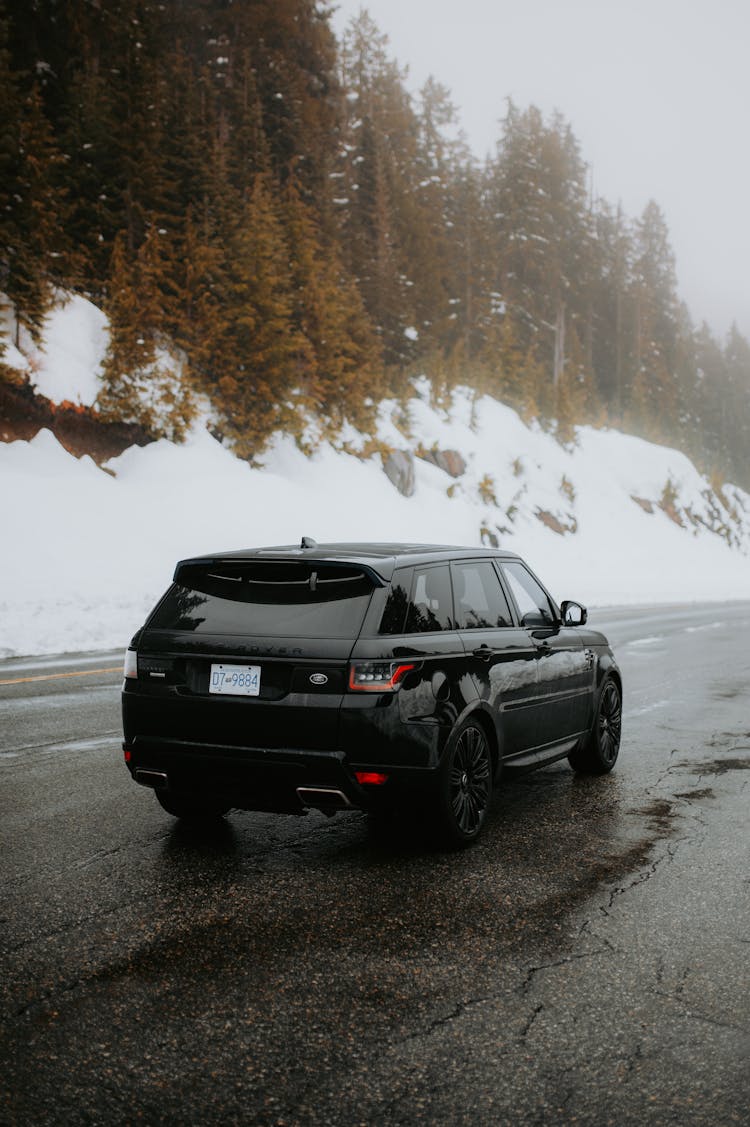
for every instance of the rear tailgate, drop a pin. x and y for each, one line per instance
(299, 690)
(249, 654)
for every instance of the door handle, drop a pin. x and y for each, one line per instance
(543, 647)
(484, 653)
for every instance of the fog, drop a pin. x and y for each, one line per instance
(656, 91)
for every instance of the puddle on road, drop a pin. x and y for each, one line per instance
(719, 766)
(660, 813)
(696, 795)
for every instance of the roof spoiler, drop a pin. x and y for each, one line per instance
(213, 561)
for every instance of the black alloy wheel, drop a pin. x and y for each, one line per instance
(597, 753)
(466, 787)
(610, 724)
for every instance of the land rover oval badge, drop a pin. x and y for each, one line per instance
(318, 679)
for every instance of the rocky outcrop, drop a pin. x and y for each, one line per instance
(555, 524)
(399, 469)
(450, 461)
(23, 413)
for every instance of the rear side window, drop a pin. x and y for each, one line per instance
(397, 602)
(480, 600)
(280, 599)
(431, 602)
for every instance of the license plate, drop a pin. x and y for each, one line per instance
(235, 680)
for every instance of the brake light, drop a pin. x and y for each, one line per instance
(377, 676)
(370, 778)
(131, 663)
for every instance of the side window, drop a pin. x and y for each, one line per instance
(480, 600)
(431, 602)
(394, 614)
(529, 596)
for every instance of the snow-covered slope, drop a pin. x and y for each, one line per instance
(68, 364)
(613, 519)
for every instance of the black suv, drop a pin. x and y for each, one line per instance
(371, 676)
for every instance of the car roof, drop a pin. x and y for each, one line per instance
(381, 558)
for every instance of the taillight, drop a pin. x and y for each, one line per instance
(370, 778)
(377, 676)
(131, 663)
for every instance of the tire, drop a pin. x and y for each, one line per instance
(190, 807)
(465, 785)
(598, 750)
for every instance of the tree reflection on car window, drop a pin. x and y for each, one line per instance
(529, 596)
(178, 610)
(431, 603)
(480, 600)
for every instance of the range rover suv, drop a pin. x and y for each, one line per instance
(371, 676)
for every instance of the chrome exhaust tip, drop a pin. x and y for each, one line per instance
(324, 798)
(147, 778)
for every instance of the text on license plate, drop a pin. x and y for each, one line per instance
(235, 680)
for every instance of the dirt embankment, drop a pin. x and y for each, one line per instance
(23, 413)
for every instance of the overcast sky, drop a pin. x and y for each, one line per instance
(656, 91)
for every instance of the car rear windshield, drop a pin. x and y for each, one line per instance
(297, 600)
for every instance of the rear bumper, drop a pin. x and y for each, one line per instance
(257, 755)
(281, 781)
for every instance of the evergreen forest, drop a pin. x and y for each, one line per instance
(270, 219)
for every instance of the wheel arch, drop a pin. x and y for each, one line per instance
(480, 713)
(608, 669)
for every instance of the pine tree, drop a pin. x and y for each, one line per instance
(709, 396)
(541, 232)
(142, 381)
(259, 356)
(9, 129)
(329, 313)
(426, 234)
(35, 248)
(613, 308)
(736, 407)
(655, 394)
(474, 306)
(377, 154)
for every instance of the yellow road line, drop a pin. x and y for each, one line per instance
(54, 676)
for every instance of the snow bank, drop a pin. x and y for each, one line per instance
(87, 553)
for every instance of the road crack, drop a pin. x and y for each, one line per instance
(642, 878)
(447, 1019)
(527, 983)
(528, 1024)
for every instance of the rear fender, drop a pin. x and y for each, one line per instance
(479, 711)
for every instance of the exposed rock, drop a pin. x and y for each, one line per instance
(647, 506)
(670, 509)
(80, 430)
(399, 469)
(551, 521)
(450, 461)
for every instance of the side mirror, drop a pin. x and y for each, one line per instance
(573, 614)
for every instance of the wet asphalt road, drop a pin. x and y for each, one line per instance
(586, 962)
